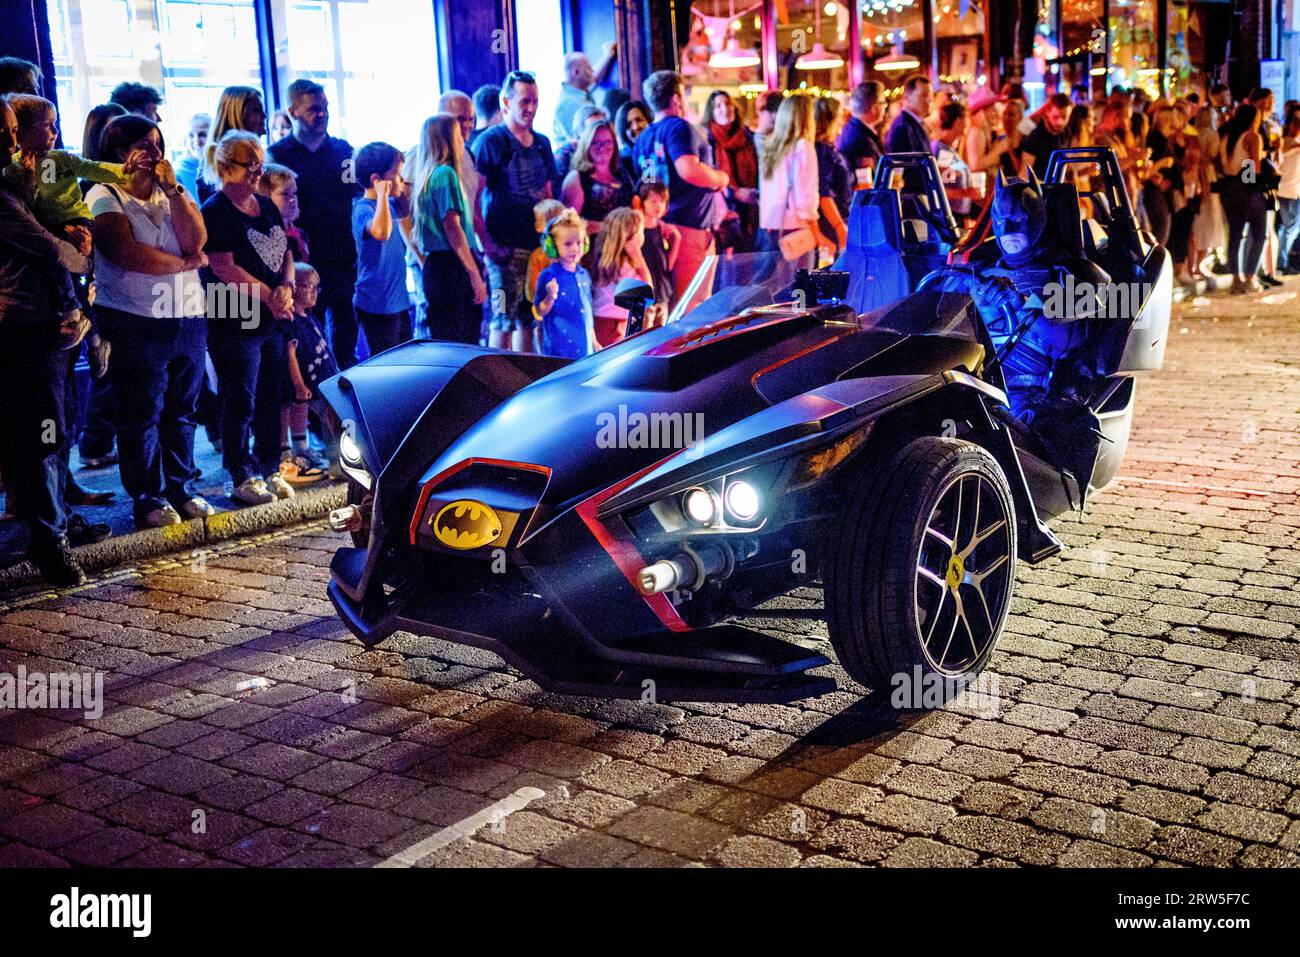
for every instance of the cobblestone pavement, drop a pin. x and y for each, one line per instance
(1149, 699)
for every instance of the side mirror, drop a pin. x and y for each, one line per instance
(633, 295)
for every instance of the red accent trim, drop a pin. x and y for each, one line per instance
(445, 474)
(619, 546)
(753, 380)
(693, 339)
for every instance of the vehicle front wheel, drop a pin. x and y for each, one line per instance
(922, 572)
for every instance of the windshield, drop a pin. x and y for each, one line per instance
(730, 282)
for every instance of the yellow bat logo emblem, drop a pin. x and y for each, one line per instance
(466, 524)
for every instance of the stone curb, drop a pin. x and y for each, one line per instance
(309, 503)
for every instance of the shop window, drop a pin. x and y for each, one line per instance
(1083, 39)
(375, 59)
(812, 43)
(893, 41)
(539, 25)
(724, 51)
(187, 50)
(1134, 46)
(959, 29)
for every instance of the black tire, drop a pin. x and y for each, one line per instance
(878, 601)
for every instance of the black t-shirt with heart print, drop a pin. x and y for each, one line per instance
(257, 243)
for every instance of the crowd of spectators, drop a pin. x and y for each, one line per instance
(220, 282)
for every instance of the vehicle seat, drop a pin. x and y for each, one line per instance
(923, 252)
(1065, 217)
(874, 258)
(1095, 240)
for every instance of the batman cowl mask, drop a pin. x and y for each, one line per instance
(1019, 218)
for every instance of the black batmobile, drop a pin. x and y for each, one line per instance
(605, 525)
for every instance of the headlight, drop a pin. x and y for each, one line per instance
(349, 451)
(741, 499)
(700, 506)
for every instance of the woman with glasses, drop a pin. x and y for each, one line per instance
(250, 280)
(148, 234)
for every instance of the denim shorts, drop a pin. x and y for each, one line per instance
(507, 275)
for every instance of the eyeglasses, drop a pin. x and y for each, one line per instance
(254, 167)
(518, 76)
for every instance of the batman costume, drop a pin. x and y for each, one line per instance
(1042, 305)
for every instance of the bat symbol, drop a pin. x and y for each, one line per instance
(466, 524)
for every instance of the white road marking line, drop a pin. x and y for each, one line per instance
(1209, 488)
(466, 828)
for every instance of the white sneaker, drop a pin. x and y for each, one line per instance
(253, 491)
(197, 507)
(279, 486)
(160, 517)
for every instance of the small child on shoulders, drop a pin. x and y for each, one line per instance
(562, 296)
(50, 178)
(618, 256)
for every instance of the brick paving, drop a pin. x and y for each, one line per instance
(1148, 710)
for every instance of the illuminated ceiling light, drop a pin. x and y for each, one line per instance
(831, 8)
(819, 58)
(734, 55)
(897, 61)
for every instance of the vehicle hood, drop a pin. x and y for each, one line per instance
(619, 412)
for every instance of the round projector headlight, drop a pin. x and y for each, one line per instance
(349, 451)
(742, 500)
(701, 506)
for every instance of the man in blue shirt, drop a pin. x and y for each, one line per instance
(518, 170)
(676, 153)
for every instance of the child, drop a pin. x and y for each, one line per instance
(562, 297)
(618, 256)
(49, 177)
(381, 300)
(543, 213)
(662, 240)
(280, 185)
(310, 364)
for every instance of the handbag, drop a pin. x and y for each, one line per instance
(798, 242)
